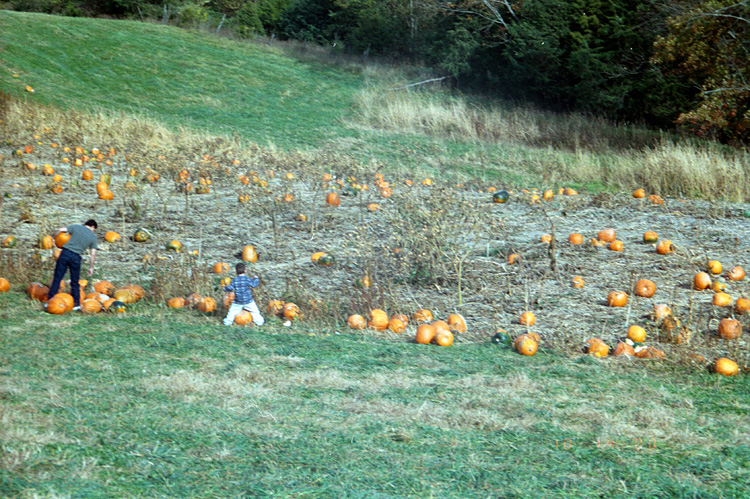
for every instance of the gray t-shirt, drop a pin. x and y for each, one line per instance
(81, 239)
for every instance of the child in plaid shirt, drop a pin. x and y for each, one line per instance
(243, 297)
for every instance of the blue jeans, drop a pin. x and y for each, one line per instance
(67, 260)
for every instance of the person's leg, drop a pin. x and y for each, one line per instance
(234, 309)
(252, 307)
(61, 267)
(75, 275)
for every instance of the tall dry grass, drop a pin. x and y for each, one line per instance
(567, 147)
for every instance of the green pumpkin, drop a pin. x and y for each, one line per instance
(117, 307)
(141, 236)
(10, 242)
(350, 191)
(500, 197)
(326, 260)
(501, 339)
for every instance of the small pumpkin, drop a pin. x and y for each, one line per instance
(124, 295)
(636, 334)
(422, 315)
(37, 291)
(356, 321)
(425, 334)
(597, 348)
(207, 305)
(104, 287)
(174, 245)
(714, 267)
(457, 323)
(275, 307)
(615, 245)
(402, 317)
(176, 302)
(193, 299)
(249, 254)
(4, 285)
(645, 288)
(730, 329)
(665, 247)
(639, 193)
(378, 319)
(220, 267)
(444, 338)
(736, 273)
(650, 353)
(91, 306)
(141, 235)
(396, 325)
(317, 256)
(527, 318)
(650, 237)
(244, 318)
(624, 349)
(46, 242)
(607, 235)
(111, 236)
(115, 306)
(742, 305)
(578, 281)
(137, 290)
(617, 298)
(291, 311)
(526, 345)
(702, 281)
(326, 260)
(726, 367)
(722, 299)
(546, 238)
(575, 238)
(333, 199)
(57, 305)
(500, 197)
(228, 300)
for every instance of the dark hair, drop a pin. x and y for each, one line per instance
(91, 223)
(240, 268)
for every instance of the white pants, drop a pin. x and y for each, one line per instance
(236, 308)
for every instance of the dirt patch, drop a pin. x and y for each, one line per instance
(444, 247)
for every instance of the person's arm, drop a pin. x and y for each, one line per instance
(93, 259)
(254, 281)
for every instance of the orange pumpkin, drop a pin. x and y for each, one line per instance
(722, 299)
(249, 254)
(46, 242)
(546, 238)
(192, 300)
(333, 199)
(228, 300)
(742, 305)
(575, 238)
(444, 338)
(378, 319)
(665, 246)
(111, 236)
(714, 267)
(661, 311)
(650, 353)
(615, 245)
(37, 291)
(104, 287)
(4, 285)
(425, 334)
(125, 295)
(220, 267)
(623, 349)
(578, 281)
(57, 305)
(650, 237)
(607, 235)
(526, 345)
(61, 239)
(137, 290)
(645, 288)
(207, 305)
(617, 299)
(396, 325)
(243, 318)
(639, 193)
(91, 306)
(176, 302)
(736, 273)
(726, 367)
(291, 311)
(730, 329)
(597, 348)
(636, 334)
(422, 315)
(527, 318)
(457, 323)
(701, 281)
(356, 321)
(275, 307)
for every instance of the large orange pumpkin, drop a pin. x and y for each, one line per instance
(333, 199)
(425, 334)
(37, 291)
(730, 329)
(4, 285)
(645, 288)
(607, 235)
(457, 323)
(617, 299)
(396, 325)
(125, 295)
(104, 287)
(702, 281)
(57, 305)
(206, 305)
(91, 306)
(526, 345)
(249, 254)
(291, 311)
(61, 239)
(736, 273)
(275, 307)
(176, 302)
(378, 319)
(243, 318)
(444, 338)
(726, 367)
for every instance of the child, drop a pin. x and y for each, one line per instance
(243, 297)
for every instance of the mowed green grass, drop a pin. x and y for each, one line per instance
(167, 403)
(178, 77)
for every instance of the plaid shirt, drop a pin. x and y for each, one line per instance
(241, 285)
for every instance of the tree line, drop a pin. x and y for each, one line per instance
(659, 62)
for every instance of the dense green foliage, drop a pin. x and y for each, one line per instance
(633, 60)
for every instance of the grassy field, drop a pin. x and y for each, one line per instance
(133, 408)
(158, 402)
